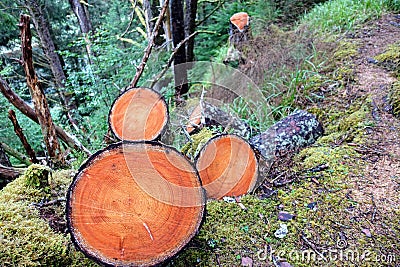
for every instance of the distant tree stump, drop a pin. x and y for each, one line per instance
(134, 204)
(239, 32)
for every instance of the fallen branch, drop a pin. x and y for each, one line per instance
(18, 131)
(22, 106)
(140, 69)
(18, 155)
(10, 173)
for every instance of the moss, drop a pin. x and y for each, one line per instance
(191, 149)
(394, 98)
(390, 59)
(25, 238)
(345, 51)
(37, 176)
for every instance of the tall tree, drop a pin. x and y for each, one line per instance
(190, 26)
(43, 29)
(82, 14)
(178, 35)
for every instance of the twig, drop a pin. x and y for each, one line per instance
(171, 58)
(312, 246)
(149, 47)
(131, 20)
(18, 131)
(210, 14)
(49, 203)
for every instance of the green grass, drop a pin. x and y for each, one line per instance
(343, 15)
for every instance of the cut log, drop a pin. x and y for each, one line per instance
(296, 131)
(240, 20)
(206, 114)
(227, 166)
(138, 114)
(134, 204)
(240, 31)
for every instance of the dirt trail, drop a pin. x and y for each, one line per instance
(381, 179)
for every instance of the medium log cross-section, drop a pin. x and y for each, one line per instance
(138, 114)
(135, 204)
(227, 166)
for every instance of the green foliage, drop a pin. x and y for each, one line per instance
(8, 22)
(342, 15)
(37, 176)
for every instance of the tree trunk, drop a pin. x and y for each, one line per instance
(148, 14)
(167, 27)
(178, 35)
(82, 15)
(49, 49)
(138, 114)
(296, 131)
(146, 196)
(190, 27)
(22, 106)
(227, 166)
(38, 96)
(16, 154)
(8, 174)
(18, 131)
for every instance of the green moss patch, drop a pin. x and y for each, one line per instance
(394, 98)
(390, 59)
(25, 238)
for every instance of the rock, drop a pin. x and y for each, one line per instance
(367, 232)
(282, 231)
(285, 216)
(246, 261)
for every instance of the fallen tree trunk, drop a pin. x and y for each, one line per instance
(227, 166)
(22, 106)
(18, 131)
(205, 114)
(18, 155)
(296, 131)
(134, 204)
(9, 173)
(138, 114)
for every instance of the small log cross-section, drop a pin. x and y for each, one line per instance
(138, 114)
(135, 204)
(38, 96)
(239, 29)
(227, 166)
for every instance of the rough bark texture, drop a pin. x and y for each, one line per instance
(8, 174)
(148, 14)
(190, 27)
(178, 35)
(4, 160)
(82, 15)
(145, 195)
(38, 96)
(297, 130)
(167, 27)
(206, 114)
(18, 131)
(22, 106)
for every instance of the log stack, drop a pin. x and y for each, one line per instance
(138, 202)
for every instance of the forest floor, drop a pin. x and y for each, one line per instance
(338, 199)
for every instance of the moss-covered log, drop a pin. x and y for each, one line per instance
(135, 204)
(297, 130)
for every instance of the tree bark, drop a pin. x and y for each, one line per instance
(43, 29)
(9, 173)
(16, 154)
(148, 14)
(178, 35)
(4, 160)
(82, 15)
(22, 106)
(18, 131)
(167, 27)
(190, 27)
(38, 96)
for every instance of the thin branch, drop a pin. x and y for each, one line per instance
(171, 58)
(147, 52)
(220, 3)
(131, 20)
